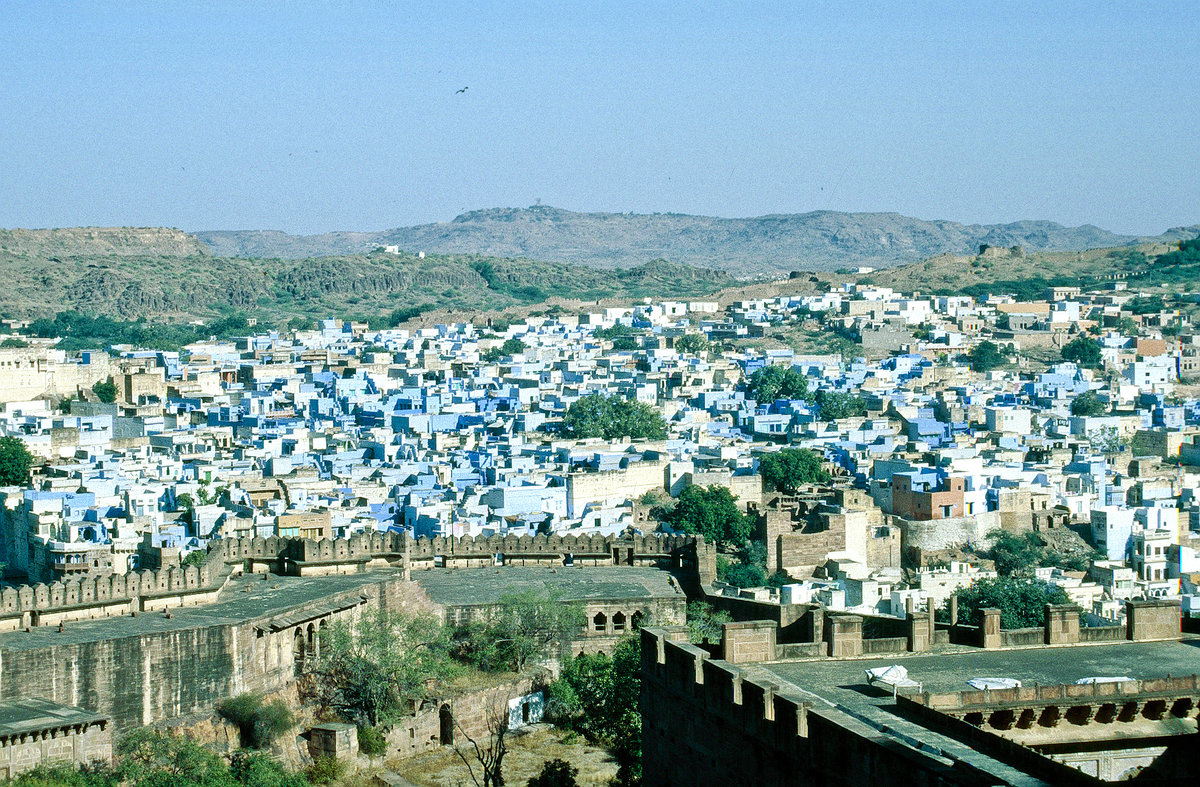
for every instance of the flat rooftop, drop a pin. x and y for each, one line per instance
(839, 687)
(842, 681)
(33, 715)
(471, 586)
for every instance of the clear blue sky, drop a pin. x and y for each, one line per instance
(323, 116)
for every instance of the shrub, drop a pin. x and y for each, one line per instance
(326, 770)
(258, 723)
(371, 741)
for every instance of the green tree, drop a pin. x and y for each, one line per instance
(13, 342)
(693, 343)
(704, 623)
(194, 558)
(151, 758)
(522, 628)
(607, 691)
(258, 722)
(372, 672)
(15, 462)
(62, 775)
(1021, 601)
(834, 405)
(513, 346)
(555, 773)
(711, 512)
(624, 344)
(611, 417)
(986, 356)
(750, 569)
(1088, 404)
(258, 769)
(106, 391)
(1015, 554)
(776, 382)
(791, 468)
(1083, 351)
(371, 741)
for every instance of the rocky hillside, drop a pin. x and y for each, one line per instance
(368, 286)
(111, 241)
(823, 240)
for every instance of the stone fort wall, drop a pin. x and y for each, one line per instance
(138, 677)
(155, 590)
(705, 722)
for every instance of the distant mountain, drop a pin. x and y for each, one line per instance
(822, 240)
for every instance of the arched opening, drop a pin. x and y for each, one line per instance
(600, 623)
(312, 639)
(619, 622)
(298, 651)
(446, 725)
(638, 617)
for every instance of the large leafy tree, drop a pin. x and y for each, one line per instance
(15, 462)
(1021, 601)
(602, 703)
(776, 382)
(711, 512)
(835, 404)
(372, 671)
(1088, 404)
(705, 623)
(523, 628)
(1083, 351)
(106, 391)
(791, 468)
(986, 356)
(611, 417)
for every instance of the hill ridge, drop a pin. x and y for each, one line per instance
(771, 243)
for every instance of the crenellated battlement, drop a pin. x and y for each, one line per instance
(120, 594)
(116, 594)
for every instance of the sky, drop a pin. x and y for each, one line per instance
(311, 117)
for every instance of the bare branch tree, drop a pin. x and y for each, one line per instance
(488, 752)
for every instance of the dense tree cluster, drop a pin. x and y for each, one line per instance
(1021, 601)
(693, 343)
(835, 404)
(522, 628)
(509, 348)
(1018, 554)
(1083, 351)
(106, 391)
(372, 673)
(597, 696)
(776, 382)
(613, 417)
(711, 512)
(1088, 404)
(791, 468)
(986, 356)
(15, 462)
(152, 758)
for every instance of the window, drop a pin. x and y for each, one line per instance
(619, 622)
(600, 623)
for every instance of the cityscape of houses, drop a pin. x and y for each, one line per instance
(455, 430)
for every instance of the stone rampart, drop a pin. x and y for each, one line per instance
(115, 594)
(176, 586)
(146, 674)
(704, 721)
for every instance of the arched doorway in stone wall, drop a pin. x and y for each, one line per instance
(298, 650)
(446, 725)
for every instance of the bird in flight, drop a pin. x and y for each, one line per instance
(463, 90)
